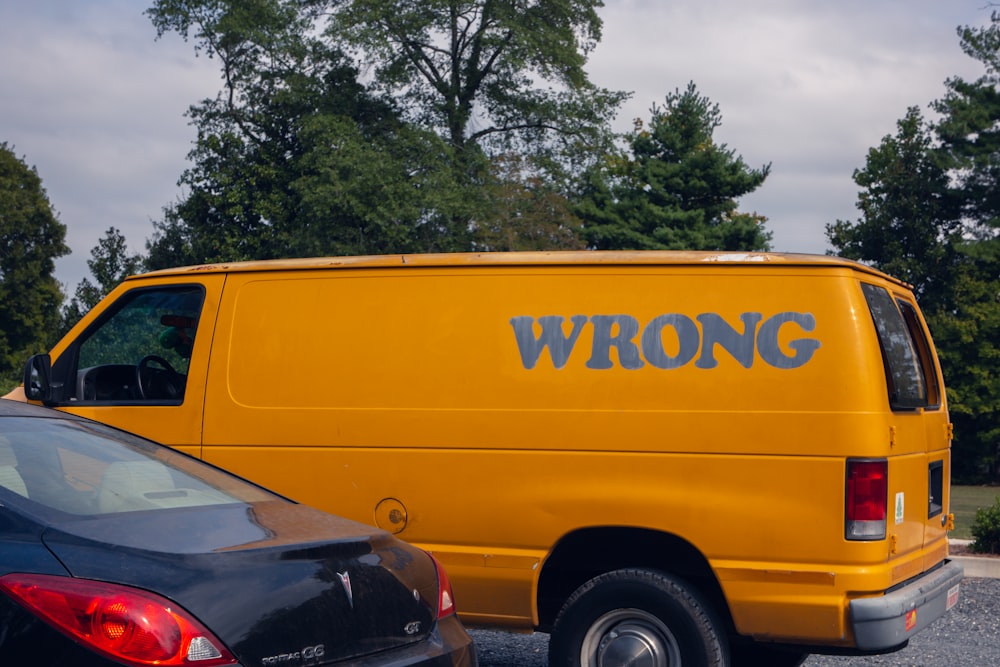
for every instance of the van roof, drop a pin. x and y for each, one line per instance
(561, 258)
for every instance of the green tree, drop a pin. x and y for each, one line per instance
(294, 157)
(528, 212)
(966, 334)
(910, 219)
(110, 263)
(676, 189)
(491, 76)
(31, 238)
(970, 132)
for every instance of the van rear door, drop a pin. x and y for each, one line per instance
(919, 433)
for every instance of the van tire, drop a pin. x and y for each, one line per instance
(636, 617)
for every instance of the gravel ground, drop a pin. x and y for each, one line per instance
(968, 636)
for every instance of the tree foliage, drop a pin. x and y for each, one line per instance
(677, 189)
(297, 157)
(31, 238)
(294, 157)
(910, 220)
(967, 335)
(970, 133)
(528, 212)
(491, 76)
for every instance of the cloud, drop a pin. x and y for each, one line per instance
(97, 105)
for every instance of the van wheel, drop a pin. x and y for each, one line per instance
(636, 618)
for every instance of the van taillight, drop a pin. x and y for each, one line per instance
(866, 497)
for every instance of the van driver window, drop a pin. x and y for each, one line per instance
(141, 350)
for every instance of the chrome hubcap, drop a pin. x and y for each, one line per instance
(629, 638)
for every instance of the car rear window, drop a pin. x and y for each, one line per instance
(909, 366)
(83, 468)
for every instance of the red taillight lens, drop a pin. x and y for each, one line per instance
(866, 495)
(130, 625)
(446, 599)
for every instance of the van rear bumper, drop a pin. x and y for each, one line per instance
(888, 621)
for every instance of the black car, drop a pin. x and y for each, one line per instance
(118, 551)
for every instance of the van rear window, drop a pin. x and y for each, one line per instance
(908, 363)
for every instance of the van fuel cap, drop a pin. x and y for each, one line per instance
(390, 514)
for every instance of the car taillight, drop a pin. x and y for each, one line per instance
(446, 599)
(866, 497)
(126, 624)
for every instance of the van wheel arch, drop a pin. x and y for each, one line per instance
(587, 553)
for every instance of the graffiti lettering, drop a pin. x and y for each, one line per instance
(756, 337)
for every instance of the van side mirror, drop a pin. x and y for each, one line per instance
(38, 380)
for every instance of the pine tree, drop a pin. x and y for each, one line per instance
(677, 190)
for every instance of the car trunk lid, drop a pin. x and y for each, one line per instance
(270, 579)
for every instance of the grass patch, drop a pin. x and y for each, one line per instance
(965, 500)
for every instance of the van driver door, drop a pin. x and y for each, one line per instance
(139, 360)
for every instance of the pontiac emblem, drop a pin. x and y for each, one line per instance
(345, 580)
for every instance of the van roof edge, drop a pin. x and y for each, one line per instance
(533, 258)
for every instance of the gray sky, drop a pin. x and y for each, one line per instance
(90, 98)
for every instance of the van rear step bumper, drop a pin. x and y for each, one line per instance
(888, 621)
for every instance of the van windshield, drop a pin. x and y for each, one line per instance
(908, 363)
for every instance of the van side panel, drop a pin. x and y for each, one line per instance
(487, 412)
(475, 341)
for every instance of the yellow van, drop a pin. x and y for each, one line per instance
(653, 456)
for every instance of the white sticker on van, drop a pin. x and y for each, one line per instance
(899, 508)
(695, 344)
